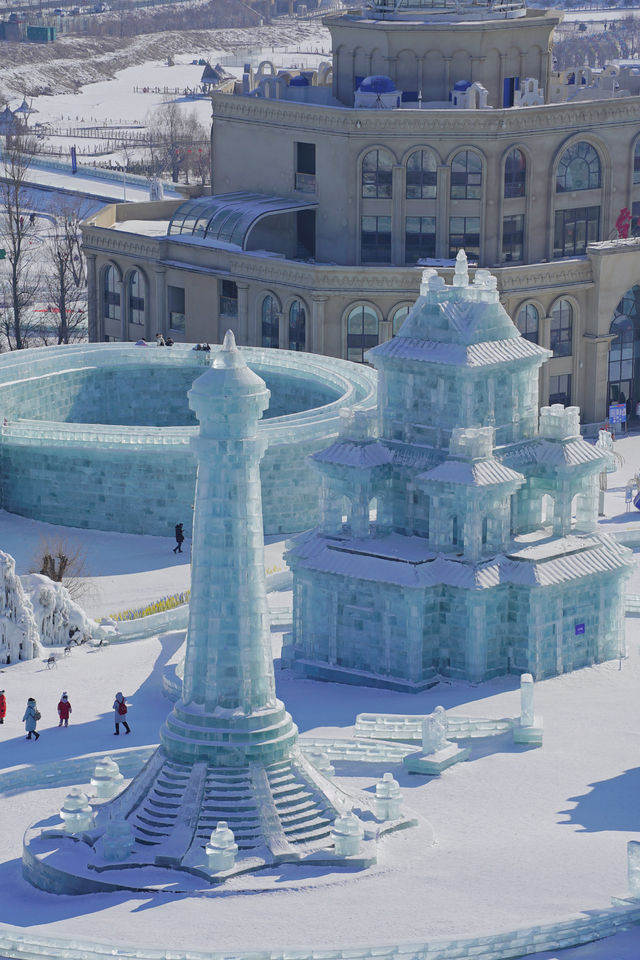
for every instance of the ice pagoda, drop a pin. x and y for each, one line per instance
(458, 526)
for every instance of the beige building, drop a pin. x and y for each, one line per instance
(437, 126)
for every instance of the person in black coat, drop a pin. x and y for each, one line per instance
(179, 538)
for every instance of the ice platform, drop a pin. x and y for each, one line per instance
(432, 764)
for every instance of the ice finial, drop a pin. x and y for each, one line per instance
(461, 273)
(229, 342)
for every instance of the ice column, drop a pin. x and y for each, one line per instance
(221, 849)
(633, 867)
(526, 700)
(228, 714)
(388, 798)
(107, 779)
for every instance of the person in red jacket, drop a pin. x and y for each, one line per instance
(3, 706)
(64, 709)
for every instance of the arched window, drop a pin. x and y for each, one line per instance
(111, 294)
(636, 162)
(515, 174)
(528, 321)
(625, 349)
(270, 323)
(466, 176)
(398, 318)
(421, 175)
(561, 328)
(362, 332)
(377, 167)
(136, 297)
(579, 168)
(297, 326)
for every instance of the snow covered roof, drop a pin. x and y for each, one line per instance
(479, 473)
(549, 453)
(401, 561)
(485, 354)
(229, 217)
(348, 453)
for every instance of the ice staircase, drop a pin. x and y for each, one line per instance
(275, 806)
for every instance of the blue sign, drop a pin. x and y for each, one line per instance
(617, 413)
(74, 161)
(579, 629)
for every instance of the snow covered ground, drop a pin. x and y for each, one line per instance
(522, 836)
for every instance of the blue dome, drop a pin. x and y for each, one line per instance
(299, 82)
(462, 85)
(377, 84)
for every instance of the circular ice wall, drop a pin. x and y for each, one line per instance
(97, 435)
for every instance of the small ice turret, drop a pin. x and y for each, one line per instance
(221, 849)
(347, 835)
(107, 780)
(118, 840)
(76, 812)
(388, 798)
(528, 729)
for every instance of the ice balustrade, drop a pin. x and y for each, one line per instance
(152, 467)
(408, 728)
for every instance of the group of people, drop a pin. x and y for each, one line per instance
(32, 715)
(161, 342)
(203, 346)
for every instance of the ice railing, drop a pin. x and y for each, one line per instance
(354, 383)
(393, 727)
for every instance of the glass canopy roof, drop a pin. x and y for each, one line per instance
(228, 217)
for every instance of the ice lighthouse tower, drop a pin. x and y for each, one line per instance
(228, 790)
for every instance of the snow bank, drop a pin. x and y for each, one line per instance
(18, 630)
(55, 613)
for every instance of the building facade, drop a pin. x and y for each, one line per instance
(434, 128)
(458, 534)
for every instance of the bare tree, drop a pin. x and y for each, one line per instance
(63, 561)
(174, 136)
(65, 280)
(19, 284)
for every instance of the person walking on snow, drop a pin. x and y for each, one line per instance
(3, 706)
(179, 538)
(120, 710)
(30, 719)
(64, 709)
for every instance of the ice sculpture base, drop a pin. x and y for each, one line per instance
(315, 670)
(432, 764)
(531, 735)
(280, 812)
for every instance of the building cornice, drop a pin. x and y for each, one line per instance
(550, 117)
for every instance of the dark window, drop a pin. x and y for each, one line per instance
(421, 176)
(466, 176)
(377, 166)
(574, 229)
(528, 321)
(513, 239)
(560, 389)
(420, 238)
(306, 234)
(375, 246)
(399, 317)
(111, 295)
(228, 299)
(509, 87)
(362, 332)
(136, 297)
(464, 233)
(636, 163)
(297, 326)
(306, 167)
(579, 168)
(270, 323)
(515, 174)
(625, 348)
(175, 298)
(561, 328)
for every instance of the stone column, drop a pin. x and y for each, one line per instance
(157, 319)
(244, 334)
(397, 216)
(124, 312)
(317, 344)
(94, 314)
(442, 223)
(283, 331)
